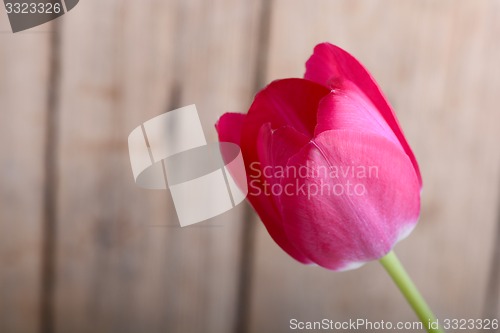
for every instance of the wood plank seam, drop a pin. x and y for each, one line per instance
(248, 231)
(49, 230)
(491, 304)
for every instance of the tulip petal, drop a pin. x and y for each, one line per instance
(339, 229)
(287, 102)
(274, 146)
(229, 127)
(271, 219)
(348, 108)
(330, 65)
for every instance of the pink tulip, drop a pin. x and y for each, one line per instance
(329, 170)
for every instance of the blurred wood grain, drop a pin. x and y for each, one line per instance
(124, 264)
(117, 261)
(24, 75)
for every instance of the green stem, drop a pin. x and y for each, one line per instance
(398, 274)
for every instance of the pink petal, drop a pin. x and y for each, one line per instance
(330, 64)
(288, 102)
(274, 147)
(348, 108)
(229, 127)
(338, 230)
(271, 218)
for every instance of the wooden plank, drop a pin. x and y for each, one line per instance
(124, 265)
(437, 63)
(24, 74)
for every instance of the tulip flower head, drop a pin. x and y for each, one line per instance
(329, 171)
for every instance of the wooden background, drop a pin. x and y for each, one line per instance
(82, 249)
